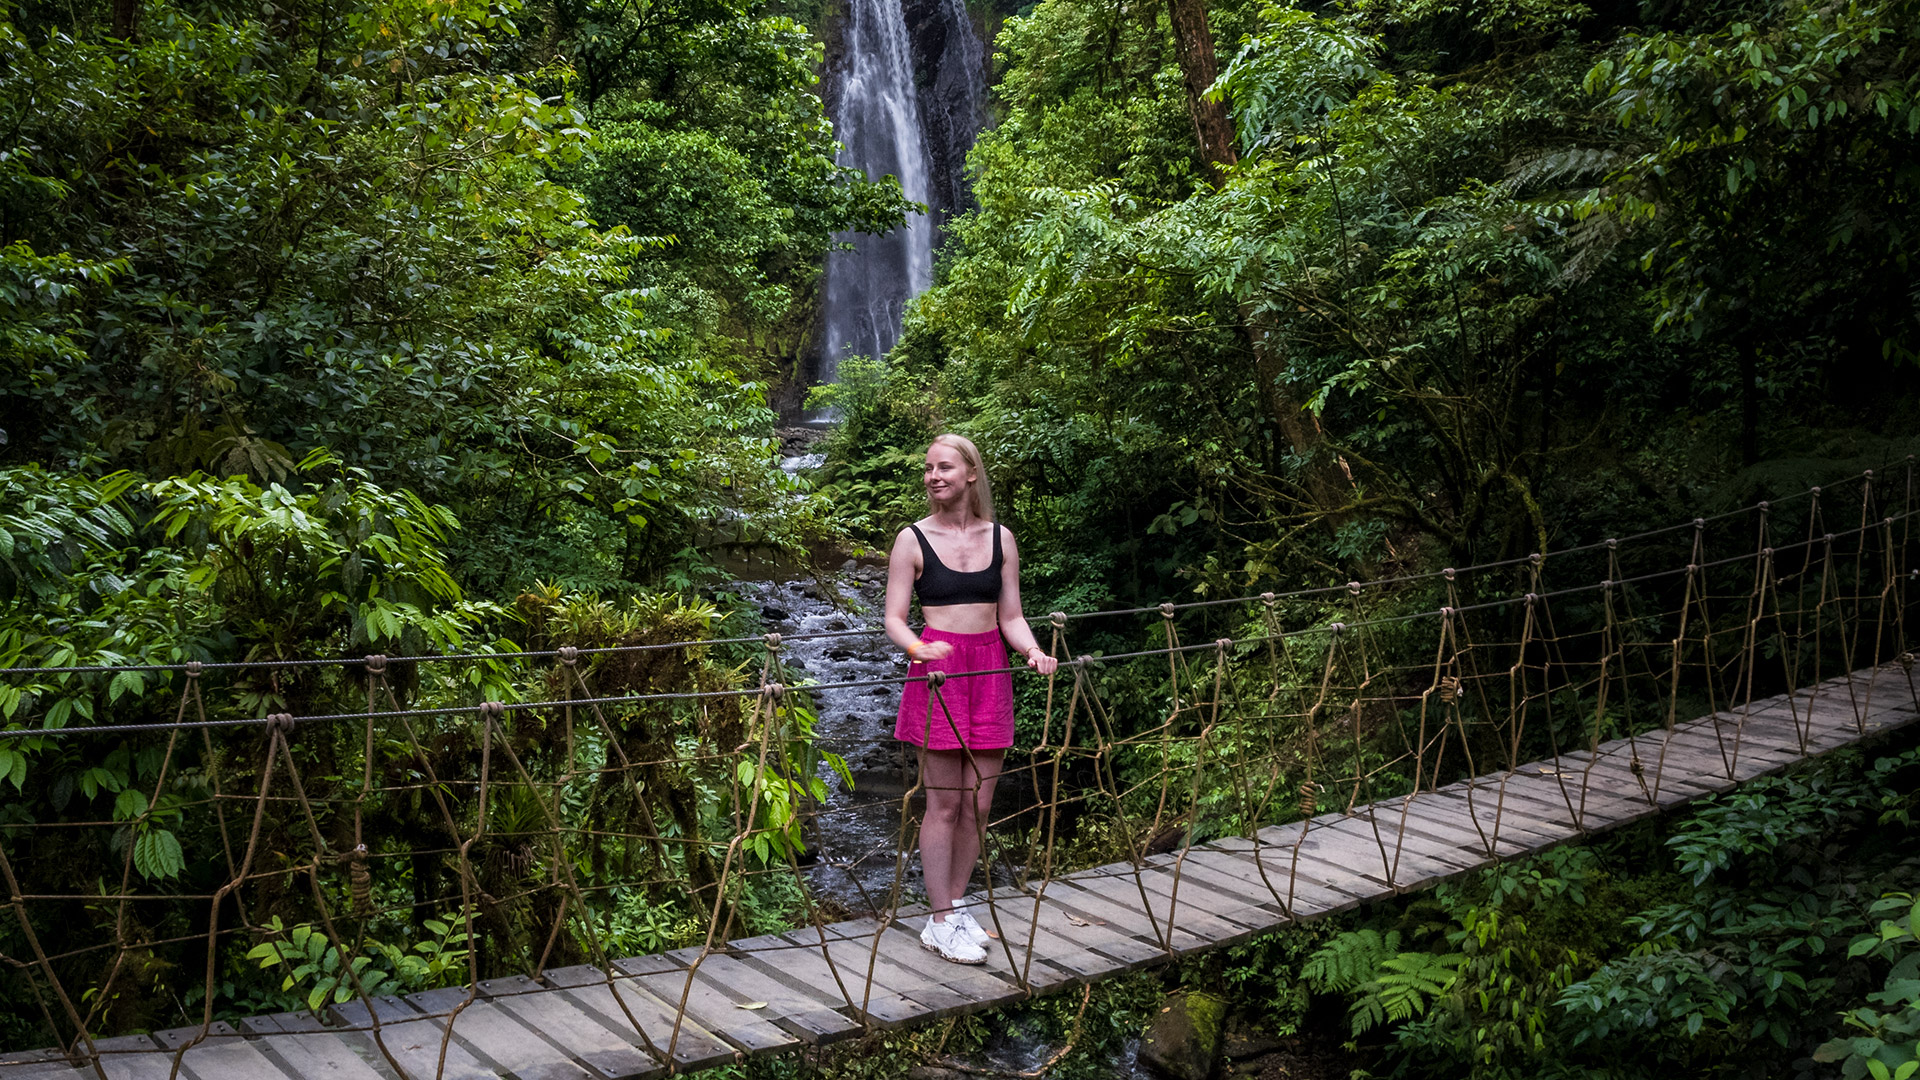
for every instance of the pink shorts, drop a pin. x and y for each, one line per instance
(975, 712)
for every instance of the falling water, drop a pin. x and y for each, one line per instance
(879, 126)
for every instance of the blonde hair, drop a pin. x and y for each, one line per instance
(980, 492)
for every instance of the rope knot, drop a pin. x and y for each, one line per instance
(1613, 544)
(1606, 583)
(281, 722)
(1531, 597)
(1353, 587)
(773, 642)
(1767, 552)
(1906, 661)
(1166, 610)
(493, 710)
(1814, 491)
(1446, 613)
(194, 668)
(569, 655)
(1693, 568)
(1828, 538)
(1338, 628)
(1266, 598)
(1448, 573)
(1058, 619)
(1534, 558)
(935, 679)
(1450, 689)
(1309, 792)
(1223, 644)
(360, 881)
(1083, 661)
(774, 690)
(376, 663)
(1766, 507)
(1867, 475)
(1699, 523)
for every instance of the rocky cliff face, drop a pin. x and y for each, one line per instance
(950, 72)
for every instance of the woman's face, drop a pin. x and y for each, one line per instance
(947, 475)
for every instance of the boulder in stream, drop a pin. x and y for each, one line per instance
(1183, 1041)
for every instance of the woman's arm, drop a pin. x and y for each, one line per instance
(902, 568)
(1013, 620)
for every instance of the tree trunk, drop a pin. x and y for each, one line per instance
(1193, 45)
(125, 13)
(1327, 482)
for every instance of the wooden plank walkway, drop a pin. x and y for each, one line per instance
(815, 985)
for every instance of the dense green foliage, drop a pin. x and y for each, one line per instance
(329, 329)
(1487, 278)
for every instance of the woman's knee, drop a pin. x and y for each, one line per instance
(945, 809)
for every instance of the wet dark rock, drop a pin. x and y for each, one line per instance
(1243, 1043)
(841, 654)
(1184, 1040)
(774, 614)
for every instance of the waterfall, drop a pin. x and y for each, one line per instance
(879, 127)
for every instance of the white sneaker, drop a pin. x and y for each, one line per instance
(975, 932)
(952, 943)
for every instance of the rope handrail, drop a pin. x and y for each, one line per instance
(902, 680)
(1190, 605)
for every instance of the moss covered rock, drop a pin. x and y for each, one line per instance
(1183, 1041)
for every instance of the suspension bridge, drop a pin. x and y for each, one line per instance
(1262, 761)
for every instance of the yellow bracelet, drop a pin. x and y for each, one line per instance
(913, 651)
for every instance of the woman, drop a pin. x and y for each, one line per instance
(965, 570)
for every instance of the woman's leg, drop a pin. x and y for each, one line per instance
(943, 779)
(978, 776)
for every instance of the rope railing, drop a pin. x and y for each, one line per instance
(194, 666)
(613, 832)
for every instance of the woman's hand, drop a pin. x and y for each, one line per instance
(1038, 660)
(923, 652)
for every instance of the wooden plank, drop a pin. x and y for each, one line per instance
(1176, 897)
(807, 1015)
(133, 1057)
(1411, 863)
(712, 1009)
(413, 1040)
(588, 988)
(1243, 888)
(307, 1049)
(1122, 912)
(494, 1035)
(604, 1049)
(1443, 829)
(804, 966)
(1473, 803)
(1300, 883)
(1264, 875)
(1084, 952)
(1310, 869)
(1116, 946)
(221, 1054)
(1122, 886)
(40, 1065)
(1537, 799)
(1534, 834)
(1750, 752)
(899, 943)
(856, 957)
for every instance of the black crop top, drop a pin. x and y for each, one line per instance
(939, 586)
